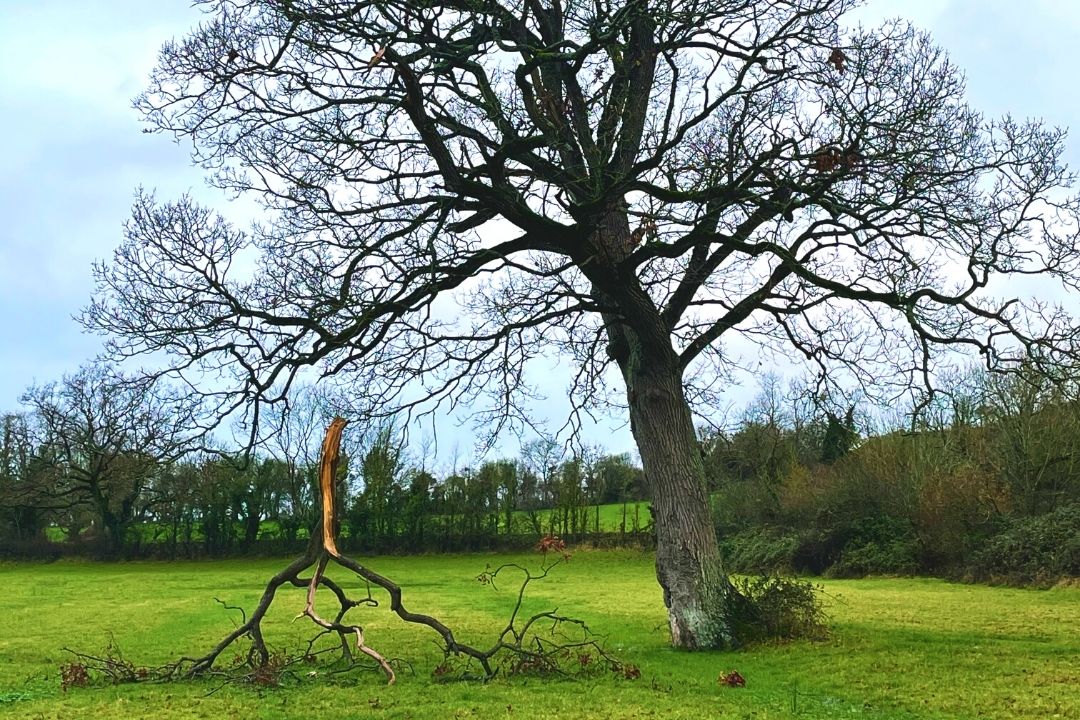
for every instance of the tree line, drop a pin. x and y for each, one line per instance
(985, 481)
(100, 462)
(982, 482)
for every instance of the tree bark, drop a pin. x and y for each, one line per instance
(697, 593)
(699, 597)
(114, 532)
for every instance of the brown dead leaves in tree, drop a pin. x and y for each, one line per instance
(830, 158)
(838, 59)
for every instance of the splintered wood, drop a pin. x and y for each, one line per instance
(328, 464)
(321, 549)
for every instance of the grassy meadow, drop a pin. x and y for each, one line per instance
(609, 517)
(900, 648)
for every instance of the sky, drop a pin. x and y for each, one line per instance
(72, 152)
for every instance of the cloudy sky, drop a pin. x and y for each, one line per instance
(72, 153)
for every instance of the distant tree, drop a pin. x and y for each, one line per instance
(383, 470)
(807, 425)
(255, 489)
(174, 503)
(1033, 428)
(482, 498)
(619, 478)
(571, 501)
(840, 435)
(499, 479)
(24, 490)
(295, 434)
(217, 499)
(415, 515)
(456, 188)
(106, 436)
(541, 457)
(529, 497)
(453, 503)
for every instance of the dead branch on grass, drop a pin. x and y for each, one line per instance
(518, 649)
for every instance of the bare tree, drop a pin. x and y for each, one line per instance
(106, 435)
(24, 491)
(628, 182)
(294, 438)
(1032, 423)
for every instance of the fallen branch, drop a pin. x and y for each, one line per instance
(322, 549)
(519, 648)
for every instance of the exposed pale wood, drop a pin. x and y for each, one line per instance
(328, 464)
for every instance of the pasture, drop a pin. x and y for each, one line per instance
(900, 648)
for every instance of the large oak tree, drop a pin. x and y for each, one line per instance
(101, 439)
(456, 188)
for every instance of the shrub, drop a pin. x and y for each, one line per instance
(898, 556)
(1032, 549)
(866, 546)
(766, 549)
(779, 608)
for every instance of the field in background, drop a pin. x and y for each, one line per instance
(901, 648)
(628, 517)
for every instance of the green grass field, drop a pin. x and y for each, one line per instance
(609, 517)
(900, 648)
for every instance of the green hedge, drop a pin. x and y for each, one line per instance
(1032, 549)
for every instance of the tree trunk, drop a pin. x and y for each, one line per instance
(252, 522)
(114, 533)
(697, 592)
(699, 597)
